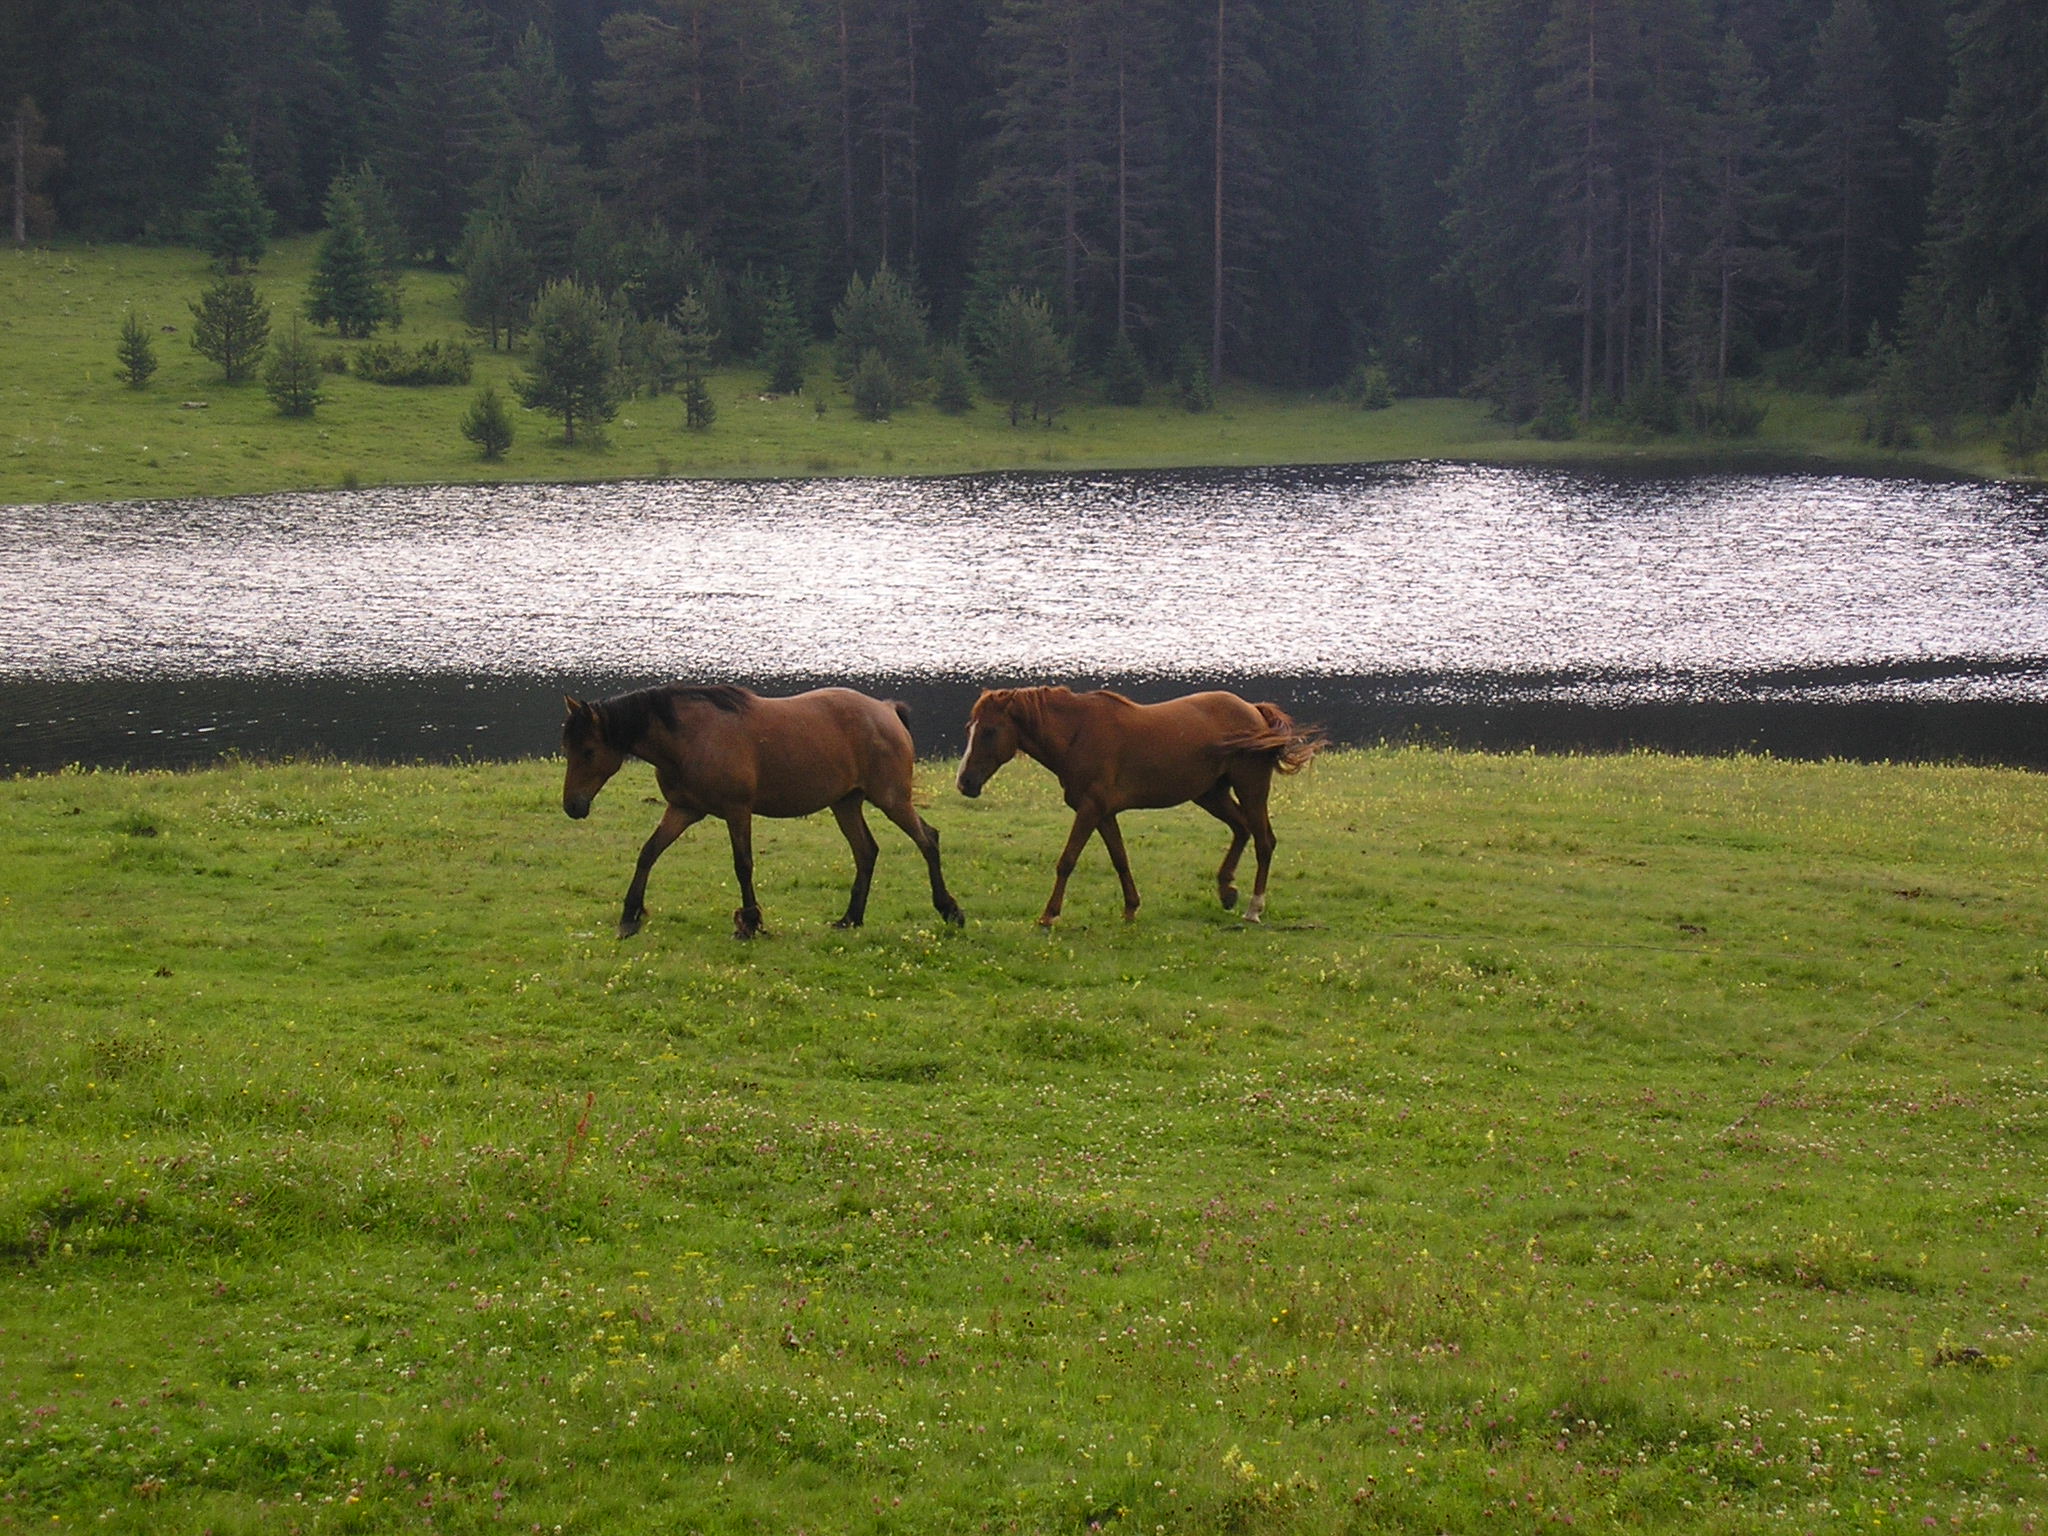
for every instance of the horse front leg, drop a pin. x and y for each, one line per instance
(1085, 822)
(673, 824)
(746, 922)
(1113, 840)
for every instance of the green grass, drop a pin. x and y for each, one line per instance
(71, 431)
(1634, 1143)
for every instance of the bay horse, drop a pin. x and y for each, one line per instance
(734, 754)
(1112, 754)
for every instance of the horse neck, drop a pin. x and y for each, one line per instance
(1050, 718)
(625, 729)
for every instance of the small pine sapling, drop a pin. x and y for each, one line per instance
(136, 351)
(952, 385)
(291, 376)
(488, 424)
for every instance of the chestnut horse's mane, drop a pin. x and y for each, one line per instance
(626, 718)
(1026, 706)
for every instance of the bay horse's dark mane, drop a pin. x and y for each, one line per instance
(626, 718)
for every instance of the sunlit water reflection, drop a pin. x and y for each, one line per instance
(1441, 582)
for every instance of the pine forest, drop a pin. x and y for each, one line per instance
(1570, 207)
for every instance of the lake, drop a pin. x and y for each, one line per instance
(1806, 615)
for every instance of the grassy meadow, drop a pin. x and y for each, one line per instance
(70, 430)
(1630, 1143)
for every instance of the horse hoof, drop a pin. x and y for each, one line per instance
(847, 922)
(1229, 895)
(1130, 914)
(1047, 919)
(956, 917)
(746, 924)
(629, 926)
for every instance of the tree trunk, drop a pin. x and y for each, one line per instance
(910, 64)
(1070, 177)
(845, 132)
(1216, 223)
(1123, 193)
(21, 173)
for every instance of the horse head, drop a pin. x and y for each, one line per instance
(592, 759)
(993, 738)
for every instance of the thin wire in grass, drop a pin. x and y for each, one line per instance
(1840, 1051)
(1497, 938)
(1672, 949)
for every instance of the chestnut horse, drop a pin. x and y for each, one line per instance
(1111, 754)
(733, 754)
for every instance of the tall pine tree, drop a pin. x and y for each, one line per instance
(348, 289)
(1851, 162)
(438, 122)
(234, 220)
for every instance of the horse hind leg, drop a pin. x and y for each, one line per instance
(854, 826)
(1253, 782)
(921, 832)
(1217, 801)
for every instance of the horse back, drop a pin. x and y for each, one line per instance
(813, 749)
(1140, 756)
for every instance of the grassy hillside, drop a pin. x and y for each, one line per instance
(1624, 1143)
(70, 430)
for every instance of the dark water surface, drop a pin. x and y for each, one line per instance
(1796, 614)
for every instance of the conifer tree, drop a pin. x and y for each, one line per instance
(136, 351)
(291, 374)
(1851, 160)
(784, 341)
(874, 387)
(29, 162)
(539, 102)
(547, 210)
(701, 102)
(488, 424)
(348, 288)
(234, 220)
(1123, 372)
(1988, 213)
(1026, 363)
(439, 120)
(380, 219)
(497, 279)
(952, 385)
(1737, 153)
(231, 327)
(695, 340)
(574, 372)
(882, 315)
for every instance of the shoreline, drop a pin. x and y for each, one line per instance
(73, 434)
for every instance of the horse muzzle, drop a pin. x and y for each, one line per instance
(576, 807)
(971, 788)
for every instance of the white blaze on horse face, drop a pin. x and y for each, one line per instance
(960, 779)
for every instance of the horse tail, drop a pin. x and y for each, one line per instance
(1292, 747)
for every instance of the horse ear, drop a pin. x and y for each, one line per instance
(574, 705)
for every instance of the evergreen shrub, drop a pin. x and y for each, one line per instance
(431, 362)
